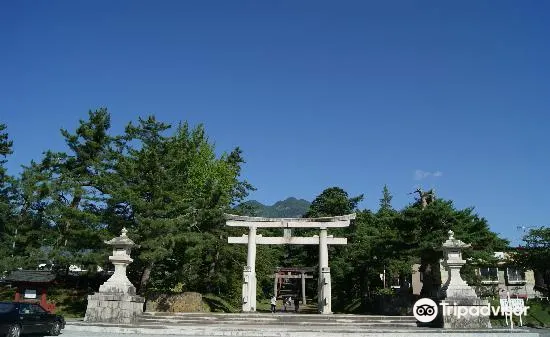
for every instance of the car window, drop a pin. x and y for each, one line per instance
(37, 309)
(25, 308)
(6, 307)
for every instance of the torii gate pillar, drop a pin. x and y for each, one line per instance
(324, 290)
(249, 273)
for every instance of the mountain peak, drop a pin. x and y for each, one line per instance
(291, 207)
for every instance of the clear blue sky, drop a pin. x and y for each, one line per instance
(447, 94)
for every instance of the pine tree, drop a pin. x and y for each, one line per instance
(171, 191)
(6, 207)
(66, 192)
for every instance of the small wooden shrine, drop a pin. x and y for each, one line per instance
(32, 286)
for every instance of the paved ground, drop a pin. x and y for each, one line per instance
(97, 334)
(367, 333)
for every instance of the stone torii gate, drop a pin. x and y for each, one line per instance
(252, 239)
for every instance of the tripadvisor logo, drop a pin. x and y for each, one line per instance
(425, 310)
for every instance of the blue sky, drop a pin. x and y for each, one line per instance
(356, 94)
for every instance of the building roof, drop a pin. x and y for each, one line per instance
(31, 276)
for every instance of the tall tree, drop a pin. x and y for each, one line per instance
(333, 201)
(66, 190)
(424, 230)
(535, 254)
(171, 192)
(385, 201)
(6, 207)
(375, 250)
(5, 150)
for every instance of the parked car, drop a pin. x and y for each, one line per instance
(17, 318)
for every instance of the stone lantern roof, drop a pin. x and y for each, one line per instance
(454, 243)
(122, 240)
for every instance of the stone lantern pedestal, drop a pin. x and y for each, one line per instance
(116, 301)
(460, 305)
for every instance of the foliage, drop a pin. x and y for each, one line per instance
(535, 254)
(171, 193)
(422, 232)
(331, 202)
(6, 205)
(168, 187)
(66, 190)
(218, 304)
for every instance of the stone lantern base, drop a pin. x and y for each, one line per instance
(114, 308)
(465, 313)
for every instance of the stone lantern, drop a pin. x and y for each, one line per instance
(119, 282)
(460, 305)
(116, 301)
(453, 262)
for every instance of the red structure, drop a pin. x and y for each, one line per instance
(32, 286)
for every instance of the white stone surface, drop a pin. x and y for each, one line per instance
(292, 240)
(458, 296)
(116, 301)
(455, 286)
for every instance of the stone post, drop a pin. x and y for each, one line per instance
(324, 291)
(460, 305)
(275, 284)
(303, 288)
(116, 301)
(249, 274)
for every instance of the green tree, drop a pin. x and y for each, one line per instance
(6, 206)
(385, 201)
(424, 230)
(171, 191)
(333, 201)
(536, 251)
(535, 254)
(375, 249)
(64, 192)
(20, 231)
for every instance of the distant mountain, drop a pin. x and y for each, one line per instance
(288, 208)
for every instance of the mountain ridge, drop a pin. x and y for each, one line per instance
(290, 207)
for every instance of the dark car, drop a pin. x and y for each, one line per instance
(17, 318)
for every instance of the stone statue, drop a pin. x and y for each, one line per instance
(426, 198)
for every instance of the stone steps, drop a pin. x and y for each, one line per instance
(284, 330)
(289, 319)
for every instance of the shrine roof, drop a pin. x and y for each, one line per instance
(31, 276)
